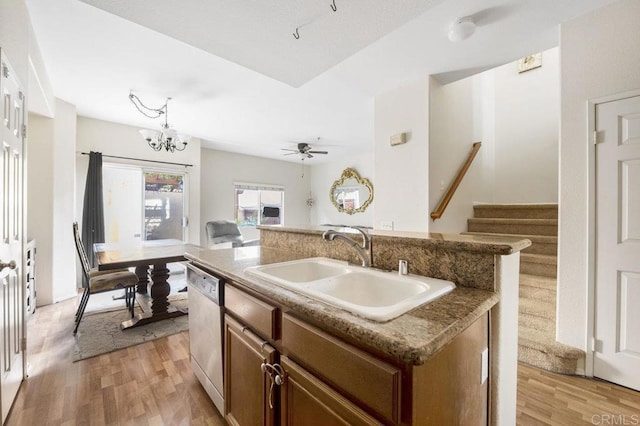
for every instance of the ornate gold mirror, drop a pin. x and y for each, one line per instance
(351, 193)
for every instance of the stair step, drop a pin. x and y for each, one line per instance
(537, 293)
(537, 323)
(540, 244)
(543, 341)
(522, 211)
(529, 280)
(539, 264)
(538, 308)
(514, 226)
(538, 284)
(540, 349)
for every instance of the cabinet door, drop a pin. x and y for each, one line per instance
(247, 388)
(305, 400)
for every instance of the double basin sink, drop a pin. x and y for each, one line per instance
(366, 292)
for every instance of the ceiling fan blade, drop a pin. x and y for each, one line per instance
(287, 149)
(309, 155)
(291, 153)
(319, 152)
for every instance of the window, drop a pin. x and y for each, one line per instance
(163, 205)
(258, 204)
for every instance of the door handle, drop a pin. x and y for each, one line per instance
(10, 265)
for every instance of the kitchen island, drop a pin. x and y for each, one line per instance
(394, 364)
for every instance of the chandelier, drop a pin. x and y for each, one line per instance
(167, 138)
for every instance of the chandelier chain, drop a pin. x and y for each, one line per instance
(157, 112)
(167, 139)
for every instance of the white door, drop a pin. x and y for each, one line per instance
(617, 310)
(11, 235)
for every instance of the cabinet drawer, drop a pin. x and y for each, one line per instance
(373, 384)
(305, 400)
(258, 315)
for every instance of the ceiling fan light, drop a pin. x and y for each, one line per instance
(461, 29)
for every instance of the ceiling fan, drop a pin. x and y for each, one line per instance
(304, 150)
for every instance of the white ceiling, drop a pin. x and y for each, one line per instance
(241, 82)
(260, 34)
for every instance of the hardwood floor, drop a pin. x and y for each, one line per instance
(147, 384)
(152, 384)
(553, 399)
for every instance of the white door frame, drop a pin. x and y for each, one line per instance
(591, 239)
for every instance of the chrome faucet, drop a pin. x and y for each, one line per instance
(364, 250)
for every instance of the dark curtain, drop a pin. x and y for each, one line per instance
(93, 209)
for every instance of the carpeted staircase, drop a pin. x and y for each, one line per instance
(538, 268)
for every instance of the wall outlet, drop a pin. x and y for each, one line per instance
(485, 366)
(386, 225)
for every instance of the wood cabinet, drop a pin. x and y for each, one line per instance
(371, 383)
(260, 316)
(313, 377)
(248, 393)
(306, 400)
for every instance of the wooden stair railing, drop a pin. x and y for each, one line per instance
(438, 212)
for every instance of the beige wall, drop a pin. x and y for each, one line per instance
(50, 201)
(221, 169)
(459, 117)
(516, 116)
(125, 141)
(527, 116)
(401, 173)
(322, 177)
(600, 56)
(40, 202)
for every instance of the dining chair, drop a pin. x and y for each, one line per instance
(101, 281)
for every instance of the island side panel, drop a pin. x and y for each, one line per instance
(504, 342)
(448, 389)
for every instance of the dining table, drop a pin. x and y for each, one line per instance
(150, 259)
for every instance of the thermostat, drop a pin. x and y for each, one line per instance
(398, 139)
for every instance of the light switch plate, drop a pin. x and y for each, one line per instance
(386, 225)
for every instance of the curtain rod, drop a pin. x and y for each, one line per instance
(140, 159)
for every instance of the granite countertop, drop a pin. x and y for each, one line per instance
(411, 338)
(473, 243)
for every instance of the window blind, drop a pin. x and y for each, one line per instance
(258, 186)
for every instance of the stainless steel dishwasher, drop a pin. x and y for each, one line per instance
(205, 331)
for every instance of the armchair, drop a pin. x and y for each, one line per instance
(226, 231)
